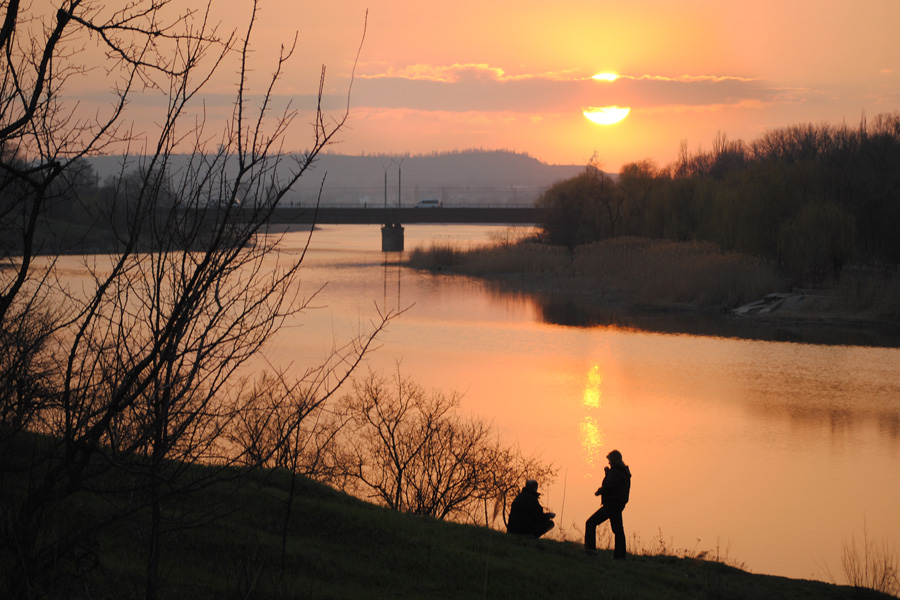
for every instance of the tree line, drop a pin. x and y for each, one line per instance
(811, 198)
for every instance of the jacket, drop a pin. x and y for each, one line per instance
(525, 512)
(616, 486)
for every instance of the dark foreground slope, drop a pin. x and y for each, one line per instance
(340, 547)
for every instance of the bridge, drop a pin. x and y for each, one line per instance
(345, 215)
(392, 218)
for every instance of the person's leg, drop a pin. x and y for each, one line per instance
(543, 527)
(618, 529)
(590, 528)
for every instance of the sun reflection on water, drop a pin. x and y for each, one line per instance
(592, 389)
(592, 438)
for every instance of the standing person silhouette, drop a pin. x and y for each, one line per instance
(614, 491)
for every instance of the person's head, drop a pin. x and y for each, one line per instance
(614, 458)
(531, 485)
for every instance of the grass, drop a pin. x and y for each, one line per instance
(869, 292)
(489, 259)
(342, 547)
(694, 273)
(647, 272)
(641, 272)
(871, 566)
(225, 541)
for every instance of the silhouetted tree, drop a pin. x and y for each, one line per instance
(581, 209)
(130, 371)
(817, 242)
(409, 449)
(640, 184)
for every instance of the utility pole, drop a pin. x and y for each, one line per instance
(392, 231)
(385, 187)
(399, 180)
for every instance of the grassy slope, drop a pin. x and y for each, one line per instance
(340, 547)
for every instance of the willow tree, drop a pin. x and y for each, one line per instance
(132, 372)
(582, 209)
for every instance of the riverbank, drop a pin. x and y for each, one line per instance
(679, 288)
(340, 547)
(263, 535)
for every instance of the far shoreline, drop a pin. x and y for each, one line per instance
(672, 298)
(571, 307)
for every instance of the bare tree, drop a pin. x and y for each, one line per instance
(139, 362)
(410, 449)
(288, 424)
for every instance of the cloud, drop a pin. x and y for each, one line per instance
(471, 89)
(481, 87)
(689, 78)
(457, 72)
(697, 91)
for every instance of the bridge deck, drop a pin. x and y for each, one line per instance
(371, 216)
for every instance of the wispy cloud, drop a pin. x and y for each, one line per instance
(688, 78)
(482, 87)
(471, 89)
(460, 72)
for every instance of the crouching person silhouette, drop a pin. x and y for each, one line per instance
(614, 491)
(526, 516)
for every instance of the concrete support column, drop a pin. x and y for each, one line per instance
(392, 237)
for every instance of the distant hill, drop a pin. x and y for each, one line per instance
(456, 178)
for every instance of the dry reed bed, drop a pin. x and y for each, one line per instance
(868, 293)
(490, 259)
(661, 272)
(648, 271)
(696, 273)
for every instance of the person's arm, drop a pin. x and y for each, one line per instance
(610, 482)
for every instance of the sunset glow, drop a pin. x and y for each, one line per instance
(687, 71)
(606, 115)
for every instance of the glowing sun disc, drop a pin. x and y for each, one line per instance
(605, 77)
(606, 115)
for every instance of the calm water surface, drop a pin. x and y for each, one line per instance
(772, 454)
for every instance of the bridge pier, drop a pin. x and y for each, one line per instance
(392, 237)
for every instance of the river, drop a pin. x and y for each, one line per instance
(772, 455)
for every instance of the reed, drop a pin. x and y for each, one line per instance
(695, 273)
(437, 256)
(875, 293)
(489, 259)
(649, 271)
(871, 566)
(662, 273)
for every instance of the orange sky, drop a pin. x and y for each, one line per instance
(517, 75)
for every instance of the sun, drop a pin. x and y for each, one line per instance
(606, 115)
(605, 77)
